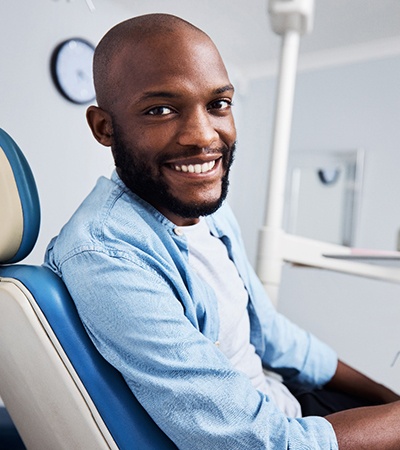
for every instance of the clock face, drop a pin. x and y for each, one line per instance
(71, 69)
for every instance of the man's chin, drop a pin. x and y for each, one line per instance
(195, 210)
(196, 207)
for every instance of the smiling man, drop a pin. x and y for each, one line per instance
(154, 262)
(172, 133)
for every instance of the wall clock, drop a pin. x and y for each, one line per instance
(71, 70)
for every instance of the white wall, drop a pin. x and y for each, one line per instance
(350, 106)
(356, 105)
(50, 131)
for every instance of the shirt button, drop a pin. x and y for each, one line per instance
(178, 231)
(217, 343)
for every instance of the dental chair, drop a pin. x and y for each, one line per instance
(58, 390)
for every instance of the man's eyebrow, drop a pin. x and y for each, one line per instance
(154, 94)
(223, 89)
(167, 94)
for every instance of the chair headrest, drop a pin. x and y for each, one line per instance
(19, 203)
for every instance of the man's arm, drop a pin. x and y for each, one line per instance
(349, 380)
(370, 427)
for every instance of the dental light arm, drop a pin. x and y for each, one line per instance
(291, 19)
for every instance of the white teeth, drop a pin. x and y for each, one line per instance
(211, 164)
(195, 168)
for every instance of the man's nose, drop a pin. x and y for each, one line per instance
(197, 129)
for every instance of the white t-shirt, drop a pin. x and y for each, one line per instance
(209, 257)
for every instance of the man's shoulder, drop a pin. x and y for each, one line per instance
(110, 218)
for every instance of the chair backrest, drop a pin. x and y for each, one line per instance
(19, 203)
(57, 388)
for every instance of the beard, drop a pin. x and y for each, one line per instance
(140, 178)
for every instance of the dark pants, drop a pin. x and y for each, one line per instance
(9, 437)
(321, 402)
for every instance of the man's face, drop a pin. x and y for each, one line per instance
(173, 130)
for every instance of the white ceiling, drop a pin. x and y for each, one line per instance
(337, 24)
(242, 31)
(340, 23)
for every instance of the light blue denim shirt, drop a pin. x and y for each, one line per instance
(126, 267)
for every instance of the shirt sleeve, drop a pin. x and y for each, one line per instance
(136, 321)
(299, 356)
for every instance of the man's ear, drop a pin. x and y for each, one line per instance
(101, 125)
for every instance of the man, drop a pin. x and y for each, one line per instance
(155, 264)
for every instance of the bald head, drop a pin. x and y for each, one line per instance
(152, 30)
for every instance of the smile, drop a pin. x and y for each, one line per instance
(195, 168)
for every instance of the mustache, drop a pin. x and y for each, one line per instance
(192, 152)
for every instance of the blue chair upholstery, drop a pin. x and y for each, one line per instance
(117, 413)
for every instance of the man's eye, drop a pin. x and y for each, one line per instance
(221, 104)
(159, 111)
